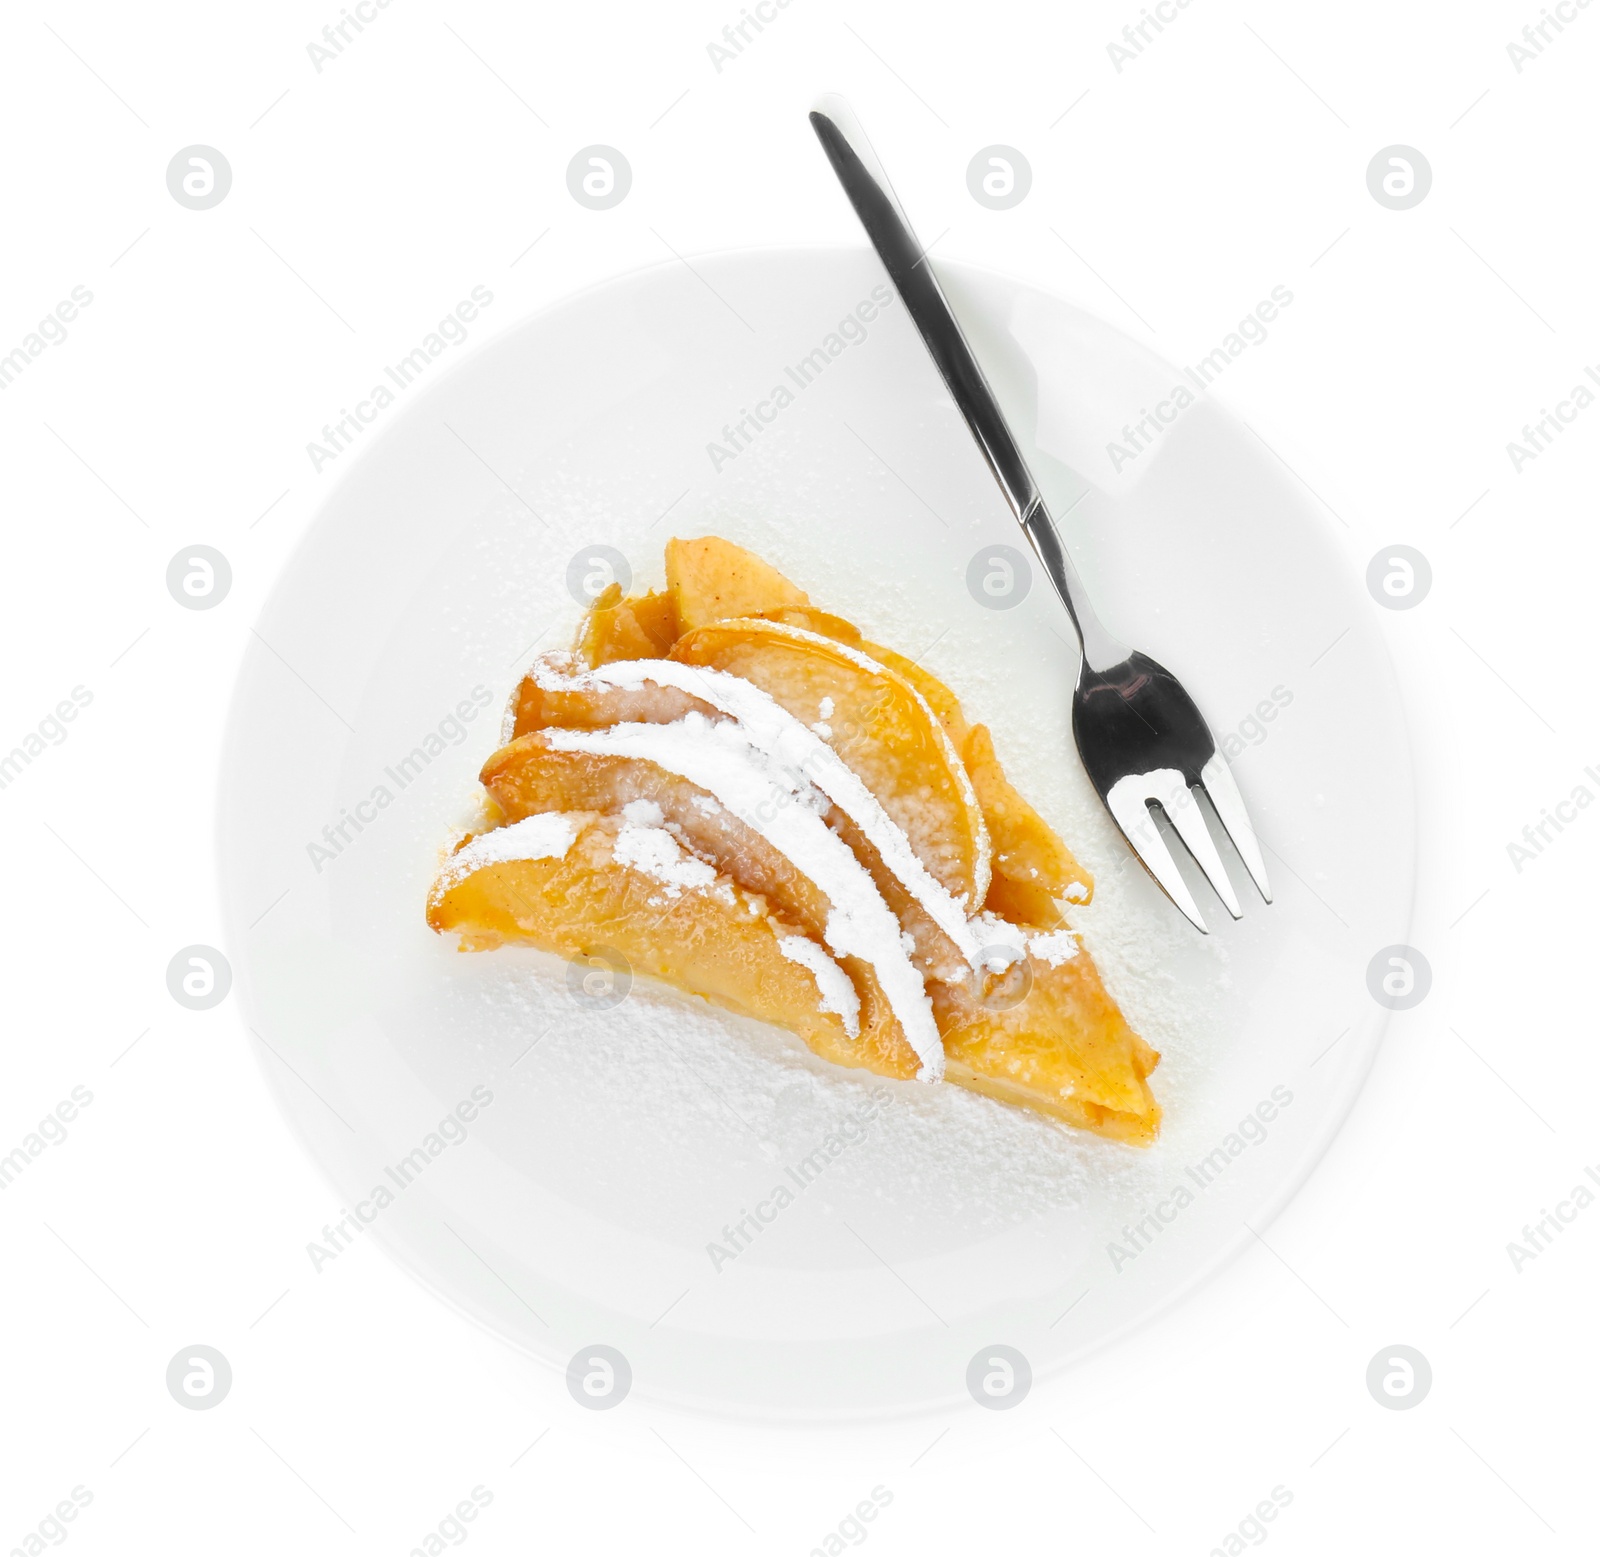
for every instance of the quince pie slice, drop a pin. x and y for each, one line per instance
(735, 792)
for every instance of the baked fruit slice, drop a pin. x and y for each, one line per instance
(563, 887)
(563, 701)
(643, 627)
(879, 725)
(1020, 1052)
(1034, 871)
(710, 580)
(530, 777)
(1032, 866)
(768, 810)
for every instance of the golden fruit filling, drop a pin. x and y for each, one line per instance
(733, 791)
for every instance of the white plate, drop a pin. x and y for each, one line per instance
(580, 1205)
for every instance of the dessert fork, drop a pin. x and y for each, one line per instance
(1143, 742)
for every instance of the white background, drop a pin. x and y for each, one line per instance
(368, 199)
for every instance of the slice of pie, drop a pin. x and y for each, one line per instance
(727, 788)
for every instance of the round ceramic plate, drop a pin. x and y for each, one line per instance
(571, 1170)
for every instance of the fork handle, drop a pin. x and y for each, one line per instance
(1100, 650)
(889, 231)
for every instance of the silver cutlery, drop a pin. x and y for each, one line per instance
(1142, 740)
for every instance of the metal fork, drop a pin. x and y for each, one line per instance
(1143, 742)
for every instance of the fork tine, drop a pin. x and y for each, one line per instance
(1183, 811)
(1218, 782)
(1128, 803)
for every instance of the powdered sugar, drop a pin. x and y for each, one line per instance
(1055, 948)
(546, 836)
(654, 852)
(837, 992)
(1002, 942)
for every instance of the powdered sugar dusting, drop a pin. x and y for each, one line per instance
(1057, 947)
(943, 1167)
(654, 852)
(837, 992)
(546, 836)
